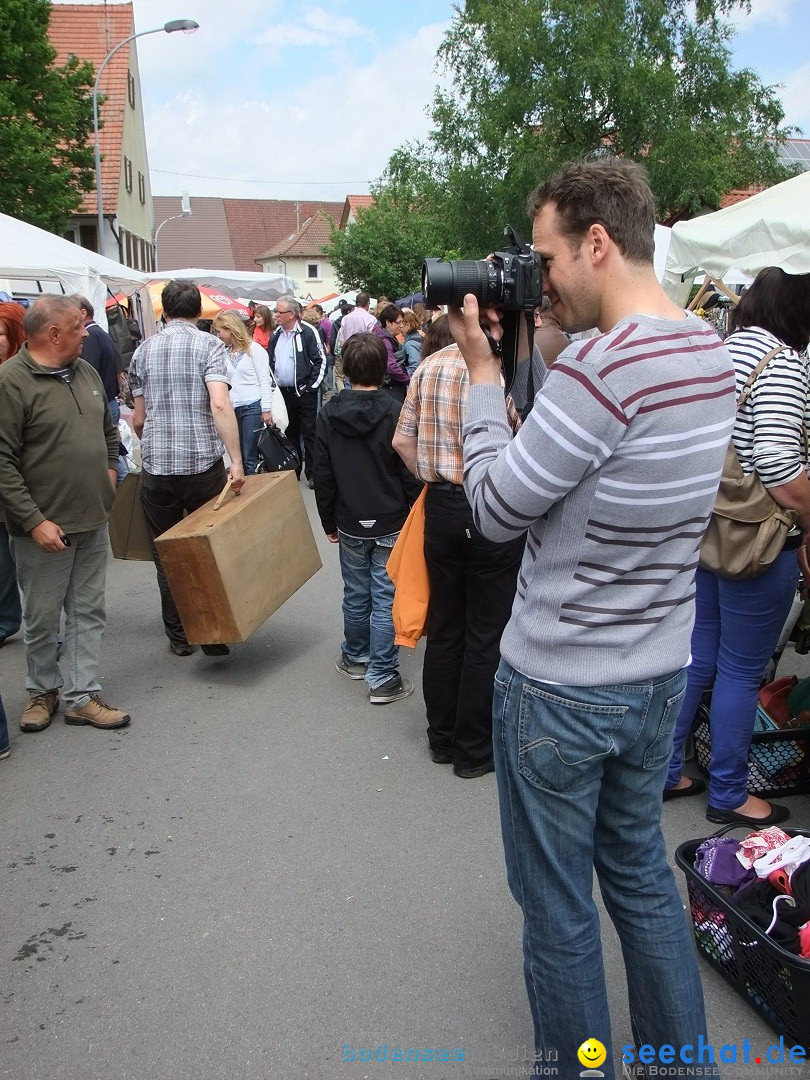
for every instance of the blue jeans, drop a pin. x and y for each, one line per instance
(10, 606)
(580, 773)
(115, 412)
(368, 595)
(737, 626)
(249, 419)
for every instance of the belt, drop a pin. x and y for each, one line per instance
(445, 485)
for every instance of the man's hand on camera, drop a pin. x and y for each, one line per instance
(482, 363)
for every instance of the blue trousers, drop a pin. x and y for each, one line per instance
(580, 771)
(737, 626)
(249, 419)
(368, 596)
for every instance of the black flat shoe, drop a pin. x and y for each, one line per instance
(731, 817)
(470, 772)
(441, 757)
(695, 787)
(215, 650)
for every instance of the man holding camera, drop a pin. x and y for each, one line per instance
(611, 479)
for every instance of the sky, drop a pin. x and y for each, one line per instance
(270, 101)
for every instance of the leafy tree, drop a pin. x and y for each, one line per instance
(46, 117)
(383, 250)
(533, 84)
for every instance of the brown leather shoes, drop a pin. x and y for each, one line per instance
(98, 714)
(39, 711)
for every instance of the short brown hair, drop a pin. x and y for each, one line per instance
(610, 192)
(779, 303)
(365, 360)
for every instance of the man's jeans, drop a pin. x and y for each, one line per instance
(164, 500)
(368, 595)
(249, 419)
(73, 579)
(737, 626)
(580, 776)
(10, 607)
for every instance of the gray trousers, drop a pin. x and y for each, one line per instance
(72, 579)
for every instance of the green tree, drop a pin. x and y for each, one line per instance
(383, 250)
(46, 117)
(533, 84)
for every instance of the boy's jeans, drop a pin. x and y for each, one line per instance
(580, 777)
(368, 594)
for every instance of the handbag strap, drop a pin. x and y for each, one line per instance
(745, 393)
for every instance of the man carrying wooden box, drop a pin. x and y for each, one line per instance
(183, 416)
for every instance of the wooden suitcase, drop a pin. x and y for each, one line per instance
(129, 537)
(230, 569)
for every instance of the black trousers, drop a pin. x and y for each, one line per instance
(165, 499)
(472, 587)
(303, 413)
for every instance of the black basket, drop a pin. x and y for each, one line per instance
(773, 981)
(778, 761)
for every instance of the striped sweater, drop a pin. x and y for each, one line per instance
(613, 477)
(768, 434)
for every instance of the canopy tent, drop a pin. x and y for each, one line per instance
(771, 228)
(31, 255)
(237, 282)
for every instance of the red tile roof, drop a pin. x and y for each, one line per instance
(738, 195)
(311, 238)
(89, 31)
(353, 204)
(229, 234)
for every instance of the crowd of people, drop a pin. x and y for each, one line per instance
(562, 553)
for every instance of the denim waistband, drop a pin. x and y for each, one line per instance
(445, 485)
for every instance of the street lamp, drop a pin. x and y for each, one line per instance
(188, 26)
(185, 211)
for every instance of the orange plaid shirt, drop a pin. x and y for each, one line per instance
(434, 411)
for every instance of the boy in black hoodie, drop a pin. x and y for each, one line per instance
(364, 493)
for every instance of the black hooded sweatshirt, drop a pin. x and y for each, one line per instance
(362, 486)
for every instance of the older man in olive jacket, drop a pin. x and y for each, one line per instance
(58, 458)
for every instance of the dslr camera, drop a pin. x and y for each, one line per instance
(511, 280)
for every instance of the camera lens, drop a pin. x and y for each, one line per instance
(449, 282)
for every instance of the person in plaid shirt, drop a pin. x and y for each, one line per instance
(472, 579)
(183, 416)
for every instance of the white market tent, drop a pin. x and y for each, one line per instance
(234, 282)
(771, 228)
(34, 261)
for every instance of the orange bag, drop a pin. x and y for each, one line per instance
(408, 570)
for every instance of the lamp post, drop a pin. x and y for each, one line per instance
(188, 26)
(184, 213)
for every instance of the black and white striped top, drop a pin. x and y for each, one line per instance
(768, 433)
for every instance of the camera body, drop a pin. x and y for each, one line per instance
(511, 280)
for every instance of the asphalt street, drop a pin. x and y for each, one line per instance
(265, 872)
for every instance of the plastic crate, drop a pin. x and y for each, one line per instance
(778, 761)
(773, 981)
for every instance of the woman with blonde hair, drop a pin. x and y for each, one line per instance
(251, 384)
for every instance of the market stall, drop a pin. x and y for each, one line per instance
(33, 261)
(771, 228)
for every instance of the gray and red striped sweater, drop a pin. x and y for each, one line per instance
(612, 477)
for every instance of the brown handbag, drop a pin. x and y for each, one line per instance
(748, 528)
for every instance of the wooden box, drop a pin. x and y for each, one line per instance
(128, 533)
(230, 569)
